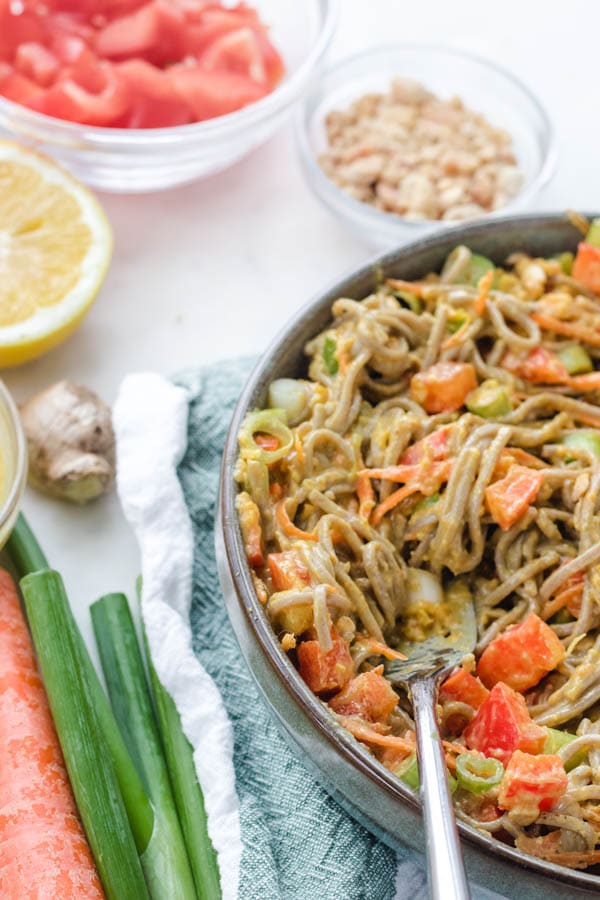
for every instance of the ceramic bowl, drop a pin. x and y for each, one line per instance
(365, 788)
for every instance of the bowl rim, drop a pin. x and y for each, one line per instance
(284, 94)
(337, 199)
(10, 505)
(229, 537)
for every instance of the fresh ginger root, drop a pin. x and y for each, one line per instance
(71, 442)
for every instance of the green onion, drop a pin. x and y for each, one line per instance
(123, 669)
(555, 739)
(477, 268)
(291, 395)
(584, 439)
(489, 400)
(410, 300)
(267, 421)
(186, 790)
(593, 235)
(427, 501)
(565, 261)
(329, 356)
(408, 772)
(576, 360)
(71, 699)
(456, 319)
(25, 553)
(478, 775)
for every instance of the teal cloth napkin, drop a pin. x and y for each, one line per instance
(298, 843)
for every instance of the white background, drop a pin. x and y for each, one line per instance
(213, 270)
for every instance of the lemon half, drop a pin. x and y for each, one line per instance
(55, 247)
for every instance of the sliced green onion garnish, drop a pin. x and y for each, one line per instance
(408, 772)
(584, 439)
(555, 739)
(476, 774)
(266, 421)
(456, 319)
(291, 395)
(576, 360)
(489, 400)
(477, 268)
(427, 501)
(565, 260)
(86, 753)
(329, 356)
(410, 300)
(593, 235)
(128, 691)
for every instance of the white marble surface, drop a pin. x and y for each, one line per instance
(214, 269)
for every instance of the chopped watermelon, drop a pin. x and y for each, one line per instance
(135, 63)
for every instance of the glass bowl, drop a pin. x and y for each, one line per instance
(13, 463)
(130, 160)
(482, 85)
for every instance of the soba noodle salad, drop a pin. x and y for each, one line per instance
(447, 436)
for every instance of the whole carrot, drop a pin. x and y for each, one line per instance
(43, 850)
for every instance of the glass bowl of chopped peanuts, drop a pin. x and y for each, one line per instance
(399, 140)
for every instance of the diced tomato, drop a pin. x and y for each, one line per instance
(36, 62)
(444, 386)
(571, 590)
(19, 28)
(211, 94)
(509, 457)
(17, 87)
(510, 498)
(539, 366)
(154, 33)
(238, 51)
(369, 696)
(521, 655)
(288, 572)
(586, 267)
(502, 724)
(207, 26)
(153, 103)
(325, 671)
(464, 688)
(434, 446)
(249, 516)
(272, 60)
(68, 100)
(532, 784)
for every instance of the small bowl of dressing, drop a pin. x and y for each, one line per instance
(13, 463)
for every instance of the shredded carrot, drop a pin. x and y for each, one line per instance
(591, 420)
(366, 496)
(550, 323)
(266, 441)
(288, 526)
(393, 500)
(43, 850)
(588, 382)
(455, 339)
(483, 290)
(275, 490)
(413, 287)
(381, 649)
(551, 607)
(344, 359)
(362, 731)
(406, 474)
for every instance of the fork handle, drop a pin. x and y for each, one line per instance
(446, 870)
